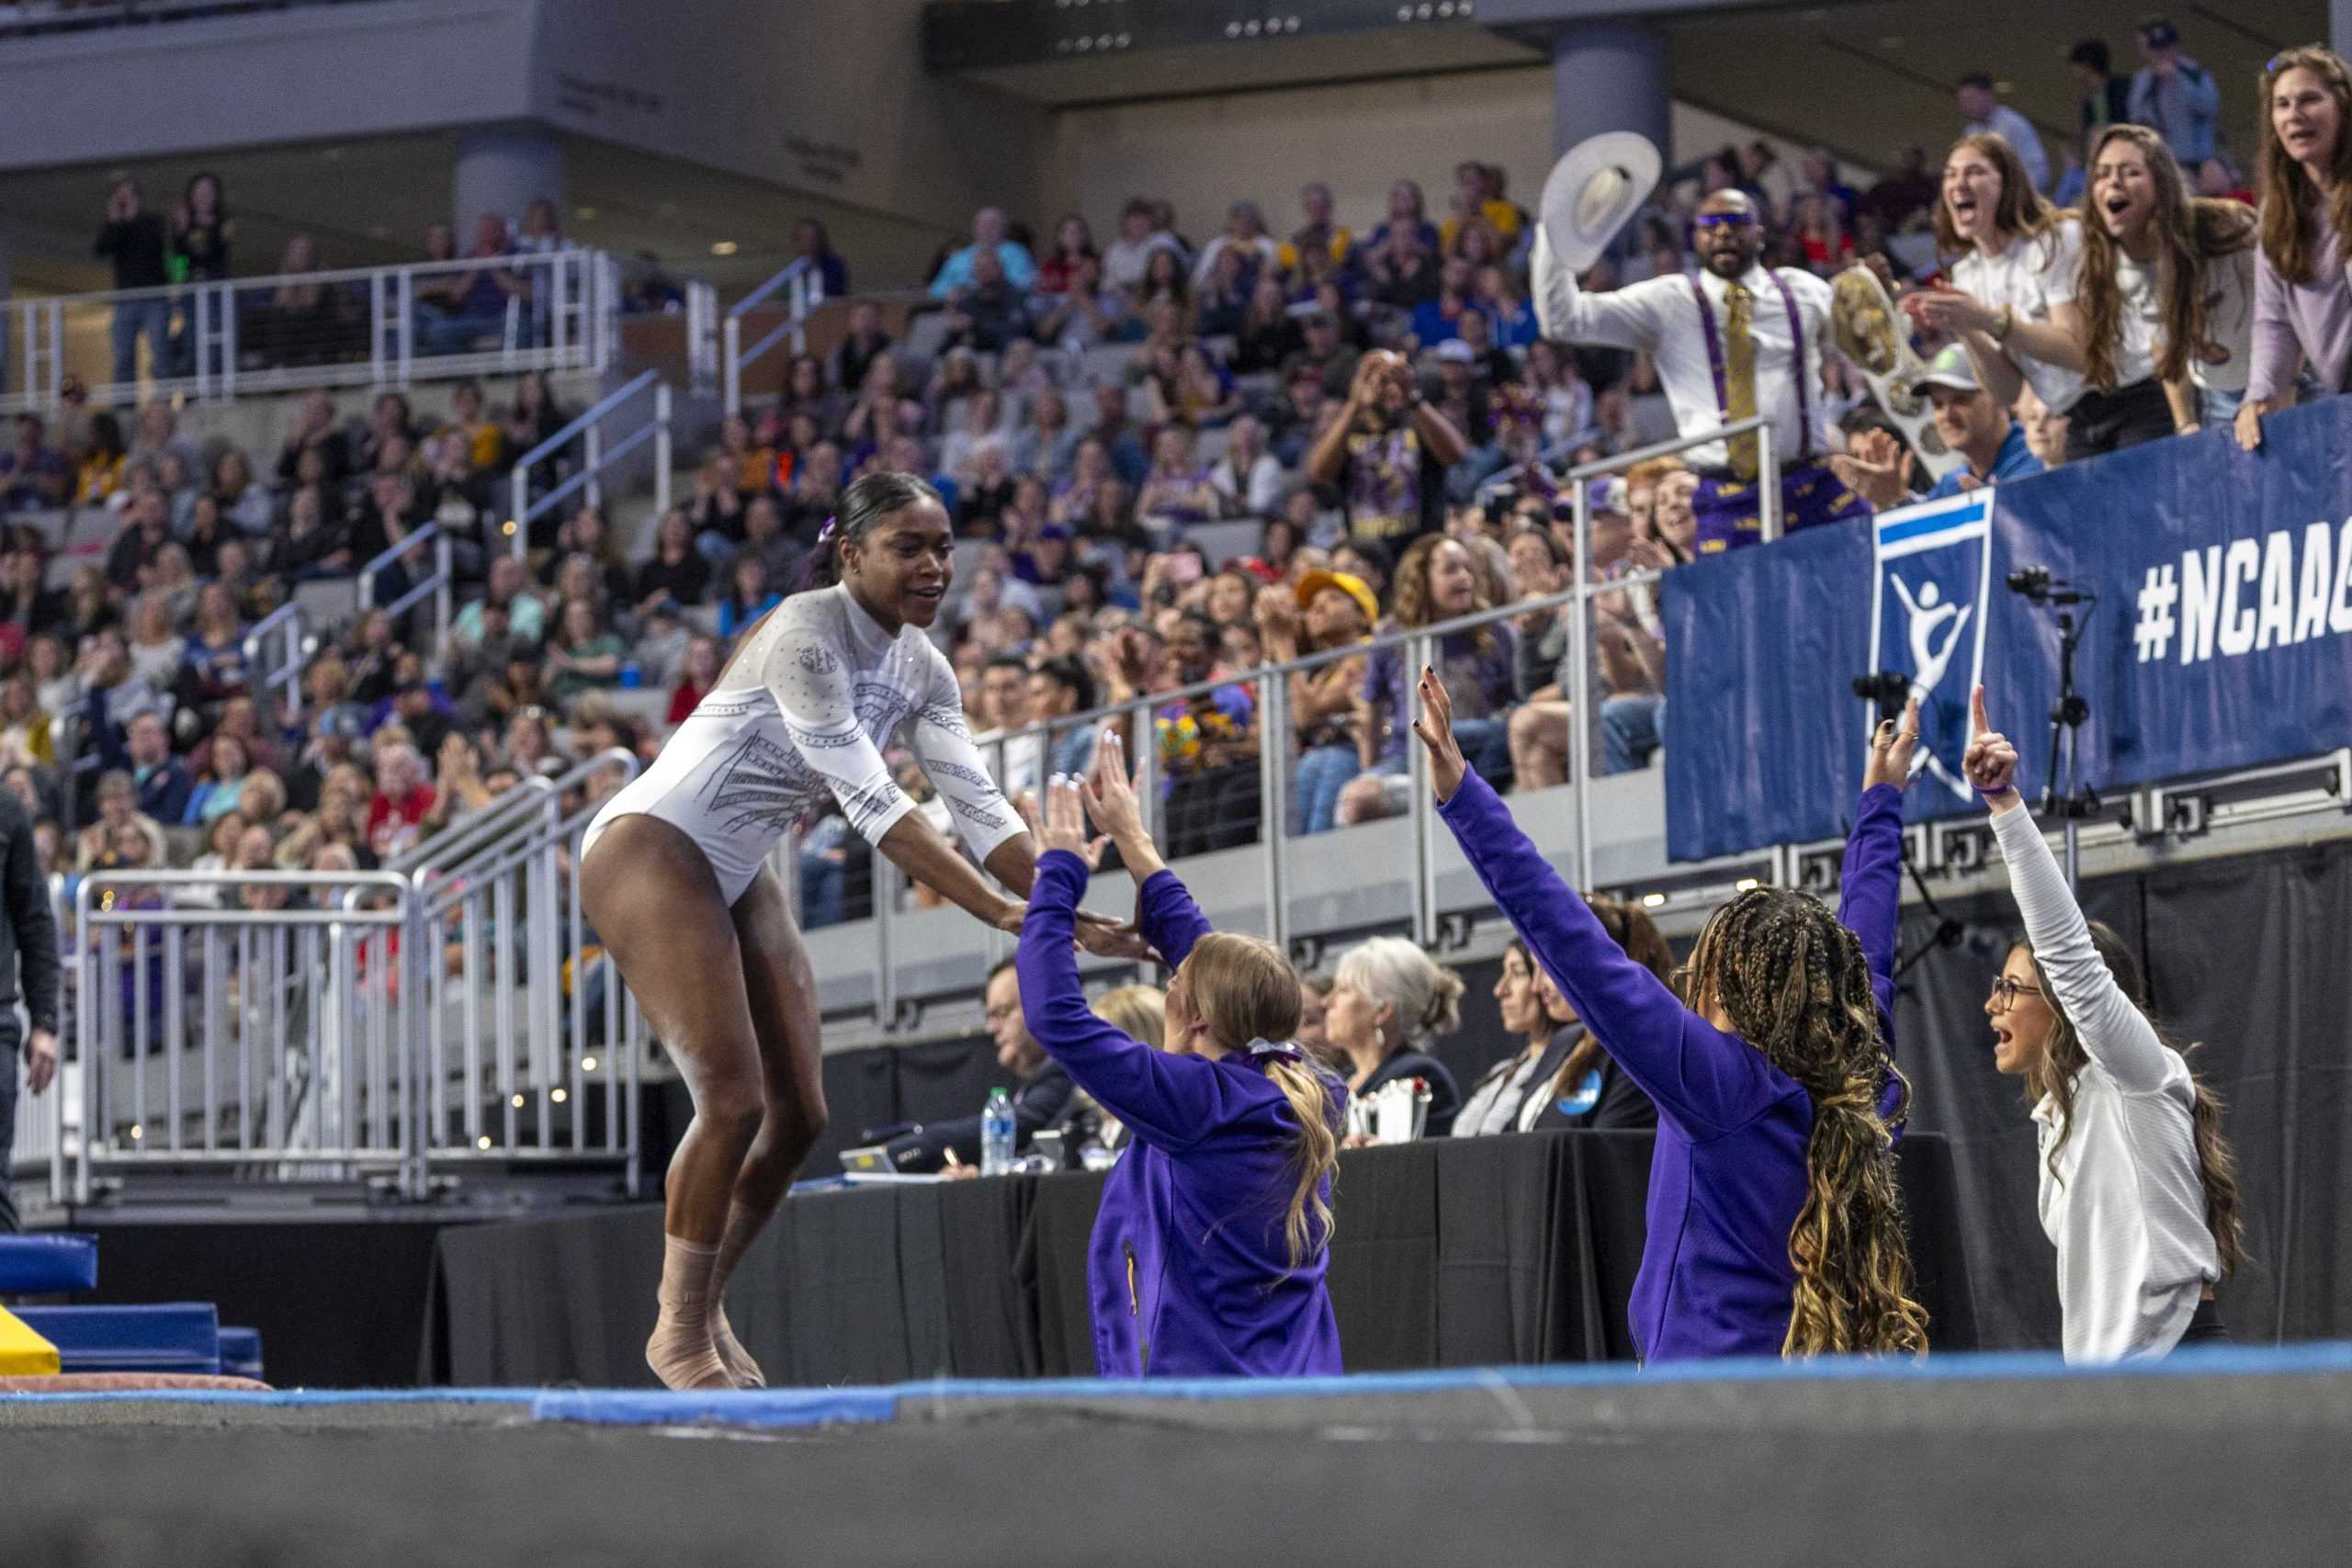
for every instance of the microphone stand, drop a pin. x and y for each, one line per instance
(2066, 717)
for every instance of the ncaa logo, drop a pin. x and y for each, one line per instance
(1933, 567)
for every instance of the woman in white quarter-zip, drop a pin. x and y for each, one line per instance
(2138, 1186)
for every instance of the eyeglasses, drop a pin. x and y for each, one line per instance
(1722, 219)
(2006, 991)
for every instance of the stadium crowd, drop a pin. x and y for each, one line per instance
(1371, 395)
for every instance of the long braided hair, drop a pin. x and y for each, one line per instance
(1795, 985)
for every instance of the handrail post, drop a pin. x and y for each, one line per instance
(1767, 480)
(378, 323)
(200, 328)
(1273, 806)
(57, 354)
(883, 890)
(407, 325)
(592, 451)
(90, 1036)
(1418, 656)
(1143, 740)
(444, 573)
(522, 504)
(662, 453)
(732, 333)
(1580, 716)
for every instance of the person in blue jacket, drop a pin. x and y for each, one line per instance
(1775, 1225)
(1211, 1246)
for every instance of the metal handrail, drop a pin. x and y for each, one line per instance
(1418, 643)
(588, 429)
(806, 282)
(439, 584)
(478, 835)
(289, 674)
(578, 289)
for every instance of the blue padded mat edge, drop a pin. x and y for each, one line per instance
(52, 1263)
(820, 1407)
(179, 1336)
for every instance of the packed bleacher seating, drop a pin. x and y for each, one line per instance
(1173, 456)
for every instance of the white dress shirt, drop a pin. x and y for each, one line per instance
(2033, 276)
(1661, 316)
(2126, 1205)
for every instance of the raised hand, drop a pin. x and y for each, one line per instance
(1062, 825)
(1991, 762)
(1435, 727)
(1891, 750)
(1109, 798)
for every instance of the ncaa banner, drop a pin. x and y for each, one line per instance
(2219, 637)
(1764, 735)
(2222, 636)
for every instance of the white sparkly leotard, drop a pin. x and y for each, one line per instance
(809, 706)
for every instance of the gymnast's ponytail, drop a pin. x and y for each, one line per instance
(878, 495)
(1246, 995)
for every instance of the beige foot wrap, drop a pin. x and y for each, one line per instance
(680, 1352)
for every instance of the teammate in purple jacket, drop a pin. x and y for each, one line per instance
(1213, 1242)
(1775, 1225)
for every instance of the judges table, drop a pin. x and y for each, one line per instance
(1469, 1252)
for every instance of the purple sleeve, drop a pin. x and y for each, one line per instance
(1869, 899)
(2277, 350)
(1871, 890)
(1710, 1081)
(1169, 1100)
(1171, 922)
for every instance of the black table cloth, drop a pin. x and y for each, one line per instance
(1450, 1253)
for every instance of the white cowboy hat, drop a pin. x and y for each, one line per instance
(1593, 191)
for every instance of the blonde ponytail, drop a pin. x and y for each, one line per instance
(1307, 1226)
(1244, 990)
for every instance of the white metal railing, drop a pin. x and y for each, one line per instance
(286, 626)
(436, 584)
(804, 285)
(508, 901)
(595, 456)
(297, 1050)
(343, 1027)
(368, 327)
(701, 338)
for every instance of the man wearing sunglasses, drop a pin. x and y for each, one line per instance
(1738, 340)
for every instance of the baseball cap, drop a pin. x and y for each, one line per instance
(1454, 351)
(1346, 582)
(2159, 32)
(1952, 368)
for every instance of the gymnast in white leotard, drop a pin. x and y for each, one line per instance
(672, 880)
(805, 708)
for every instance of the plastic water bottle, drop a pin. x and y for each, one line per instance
(996, 1134)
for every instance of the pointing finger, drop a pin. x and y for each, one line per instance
(1976, 711)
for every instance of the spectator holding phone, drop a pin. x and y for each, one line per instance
(1387, 453)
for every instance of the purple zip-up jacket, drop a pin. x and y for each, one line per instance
(1188, 1273)
(1728, 1175)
